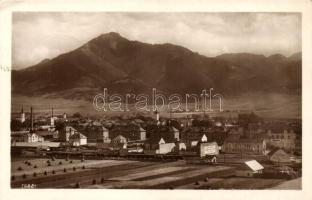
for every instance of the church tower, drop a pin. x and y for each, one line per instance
(52, 118)
(22, 116)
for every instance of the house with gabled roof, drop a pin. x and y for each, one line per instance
(279, 156)
(78, 139)
(249, 169)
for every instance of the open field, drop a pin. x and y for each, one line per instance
(289, 185)
(265, 105)
(124, 174)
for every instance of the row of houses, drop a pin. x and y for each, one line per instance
(254, 140)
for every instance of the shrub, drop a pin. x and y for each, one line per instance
(19, 168)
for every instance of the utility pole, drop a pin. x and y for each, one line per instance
(32, 119)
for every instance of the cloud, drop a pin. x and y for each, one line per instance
(40, 35)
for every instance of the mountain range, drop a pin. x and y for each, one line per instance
(123, 66)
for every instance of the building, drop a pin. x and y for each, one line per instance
(48, 135)
(192, 135)
(180, 146)
(279, 156)
(132, 132)
(66, 132)
(208, 149)
(283, 138)
(96, 133)
(155, 133)
(142, 134)
(245, 145)
(249, 169)
(235, 133)
(77, 139)
(254, 129)
(33, 137)
(104, 136)
(164, 148)
(119, 140)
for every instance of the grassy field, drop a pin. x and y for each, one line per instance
(125, 174)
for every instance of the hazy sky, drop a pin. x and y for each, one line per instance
(37, 36)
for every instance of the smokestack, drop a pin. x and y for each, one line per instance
(157, 115)
(52, 111)
(32, 118)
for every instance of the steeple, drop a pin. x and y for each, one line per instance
(22, 116)
(52, 118)
(157, 115)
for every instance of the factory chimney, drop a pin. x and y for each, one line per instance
(52, 118)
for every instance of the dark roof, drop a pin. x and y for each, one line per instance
(277, 127)
(44, 133)
(244, 140)
(77, 136)
(276, 150)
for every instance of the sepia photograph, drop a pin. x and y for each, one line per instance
(156, 100)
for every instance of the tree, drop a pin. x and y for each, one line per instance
(77, 115)
(16, 125)
(59, 125)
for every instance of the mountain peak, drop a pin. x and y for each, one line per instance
(111, 35)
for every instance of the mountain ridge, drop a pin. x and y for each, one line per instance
(122, 65)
